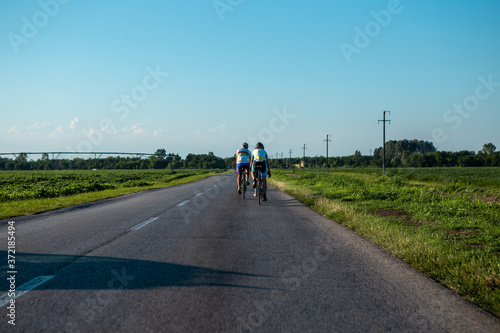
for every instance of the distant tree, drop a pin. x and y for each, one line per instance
(22, 158)
(230, 161)
(161, 153)
(21, 162)
(397, 153)
(489, 148)
(45, 157)
(493, 159)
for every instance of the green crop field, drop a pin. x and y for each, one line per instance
(483, 177)
(28, 192)
(443, 221)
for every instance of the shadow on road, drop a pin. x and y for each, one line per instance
(93, 273)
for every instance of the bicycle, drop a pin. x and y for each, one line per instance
(244, 182)
(260, 190)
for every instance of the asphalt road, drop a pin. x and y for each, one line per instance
(197, 258)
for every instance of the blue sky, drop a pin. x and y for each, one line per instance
(205, 75)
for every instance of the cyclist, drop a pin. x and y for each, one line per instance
(243, 163)
(259, 161)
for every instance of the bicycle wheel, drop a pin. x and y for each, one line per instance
(259, 188)
(244, 186)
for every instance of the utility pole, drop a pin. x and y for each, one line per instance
(304, 154)
(327, 140)
(383, 152)
(289, 160)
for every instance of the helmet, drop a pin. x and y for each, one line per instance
(259, 145)
(244, 145)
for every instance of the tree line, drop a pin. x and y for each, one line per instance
(401, 153)
(160, 160)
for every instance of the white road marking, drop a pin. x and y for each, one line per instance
(30, 285)
(199, 194)
(183, 203)
(142, 224)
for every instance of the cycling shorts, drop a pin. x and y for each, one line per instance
(260, 165)
(241, 166)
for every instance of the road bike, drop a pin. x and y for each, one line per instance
(244, 182)
(260, 190)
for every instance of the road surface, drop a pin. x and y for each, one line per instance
(197, 258)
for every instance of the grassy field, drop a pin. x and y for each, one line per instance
(444, 222)
(482, 177)
(29, 192)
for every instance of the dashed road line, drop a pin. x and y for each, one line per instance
(34, 283)
(30, 285)
(142, 224)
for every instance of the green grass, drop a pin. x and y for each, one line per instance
(444, 222)
(30, 192)
(483, 177)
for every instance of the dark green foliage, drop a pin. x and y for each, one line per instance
(21, 185)
(161, 160)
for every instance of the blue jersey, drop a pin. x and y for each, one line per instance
(259, 155)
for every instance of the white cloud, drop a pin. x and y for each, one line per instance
(37, 126)
(72, 124)
(56, 132)
(221, 128)
(210, 134)
(135, 130)
(13, 130)
(157, 133)
(92, 131)
(109, 129)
